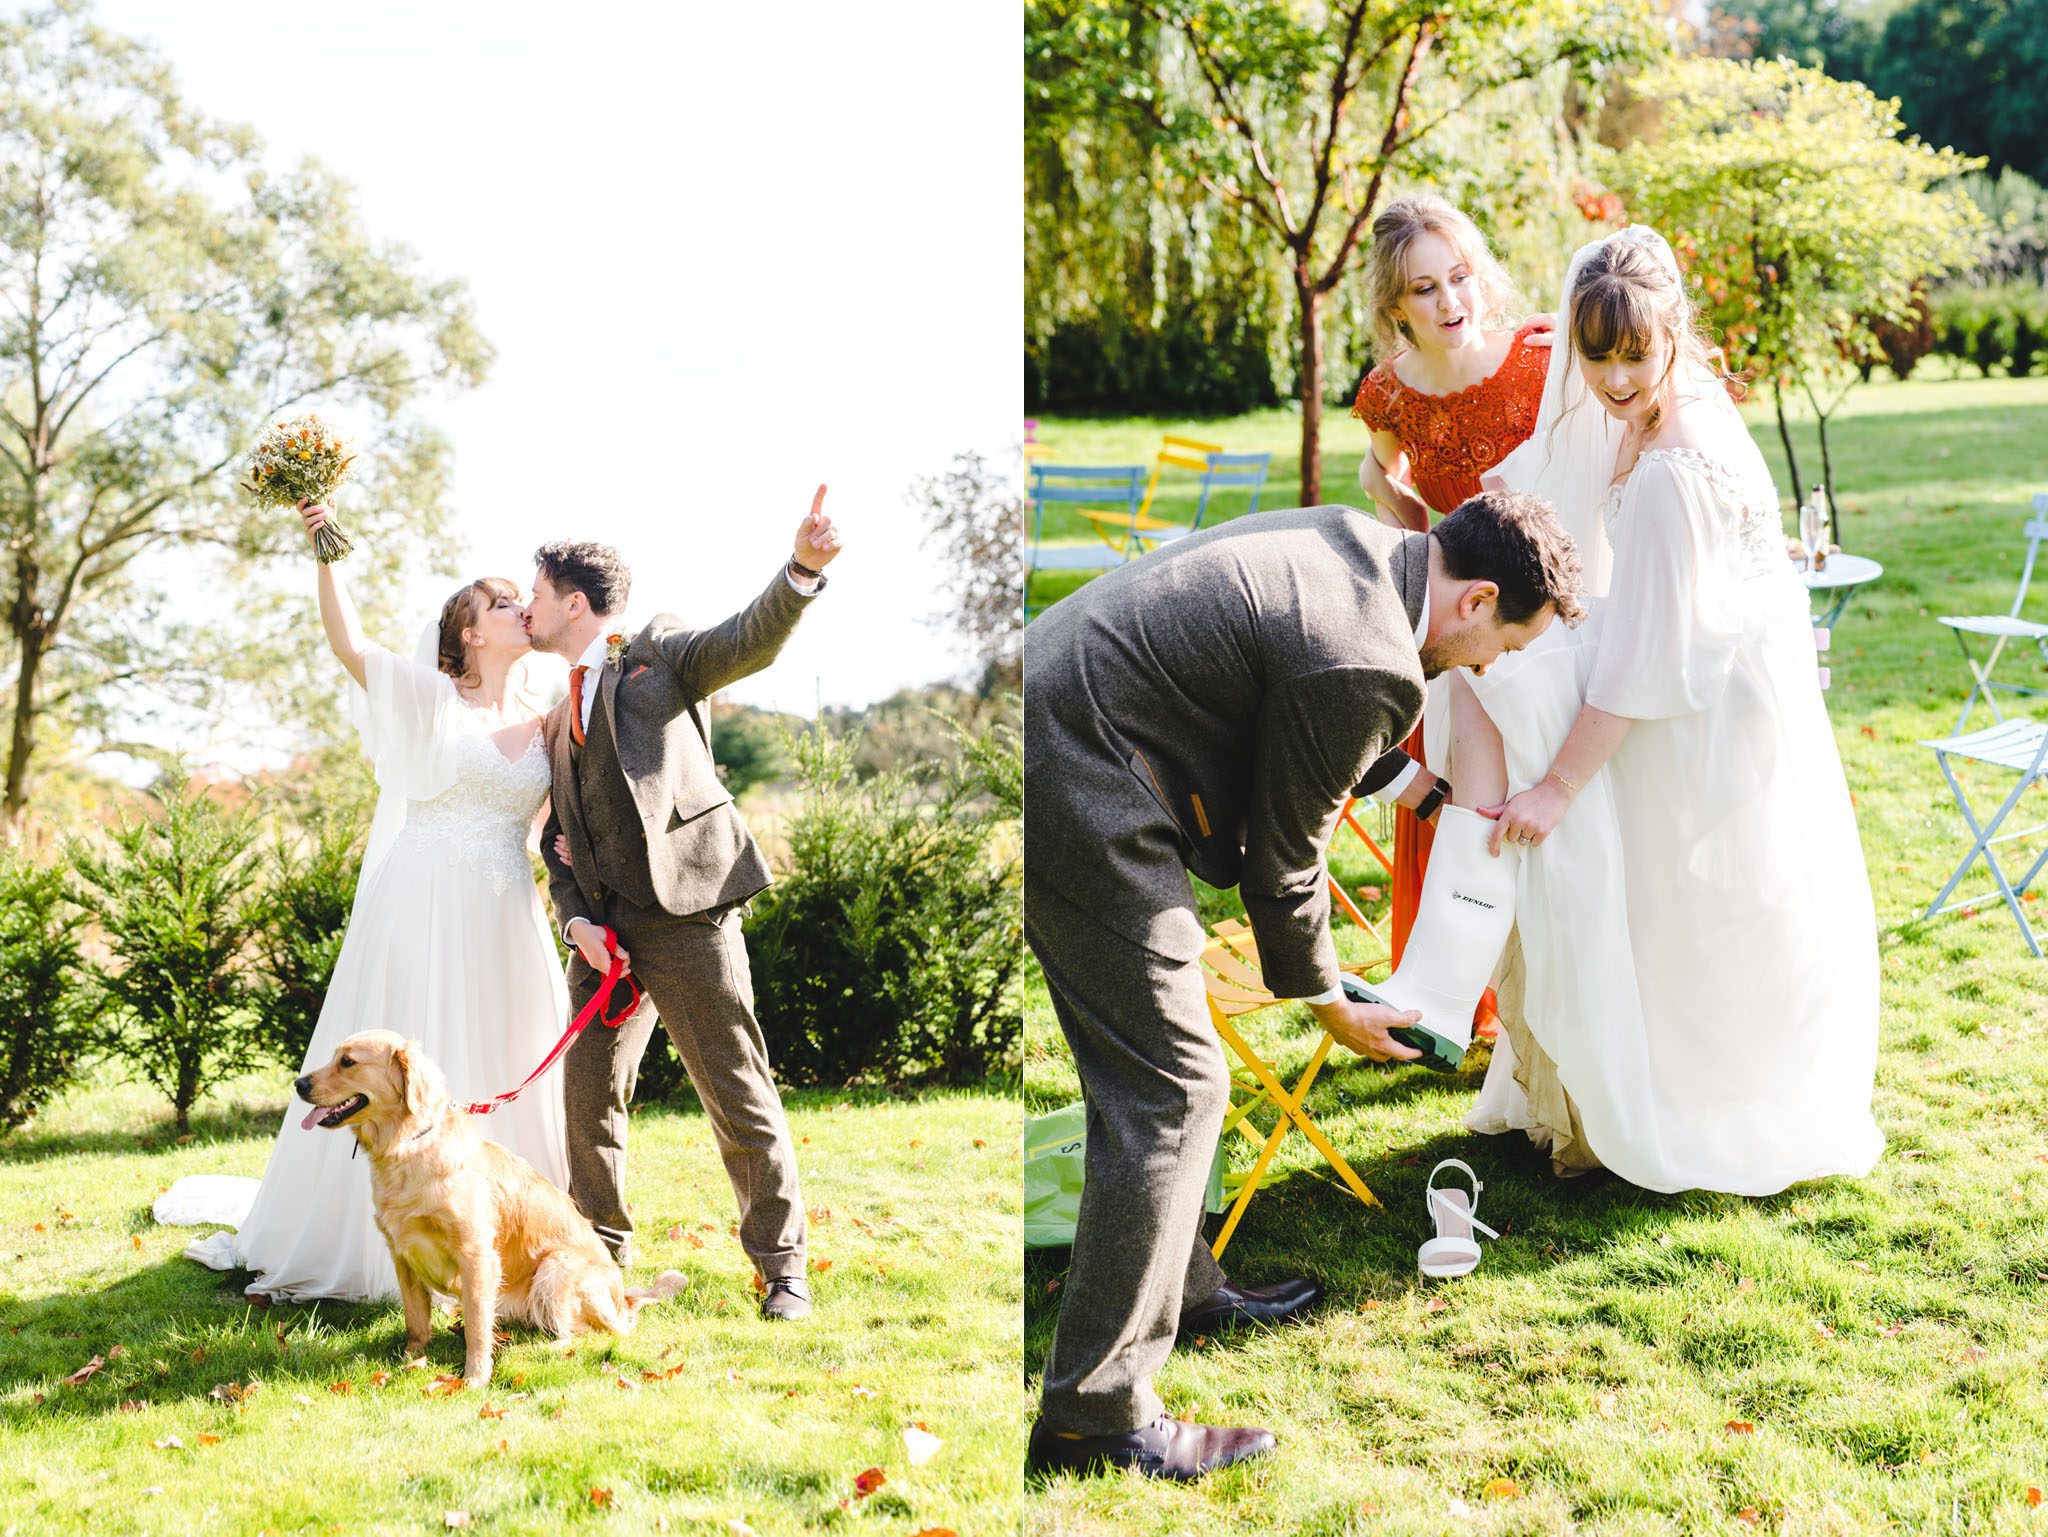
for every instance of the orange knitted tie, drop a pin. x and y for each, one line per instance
(576, 704)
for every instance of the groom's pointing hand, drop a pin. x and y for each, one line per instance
(817, 540)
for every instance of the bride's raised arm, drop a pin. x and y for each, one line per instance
(337, 609)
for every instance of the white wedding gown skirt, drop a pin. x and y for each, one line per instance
(448, 946)
(1697, 932)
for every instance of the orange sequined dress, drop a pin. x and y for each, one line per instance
(1450, 441)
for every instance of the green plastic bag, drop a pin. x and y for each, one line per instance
(1053, 1148)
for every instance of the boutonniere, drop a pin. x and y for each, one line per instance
(614, 648)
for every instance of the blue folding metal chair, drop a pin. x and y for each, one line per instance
(2016, 747)
(1095, 485)
(1221, 472)
(2000, 628)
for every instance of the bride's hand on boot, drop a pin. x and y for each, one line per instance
(1527, 819)
(1363, 1027)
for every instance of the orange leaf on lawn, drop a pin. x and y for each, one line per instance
(869, 1482)
(488, 1413)
(1749, 1515)
(2033, 1495)
(207, 1440)
(937, 1531)
(85, 1371)
(1742, 1427)
(342, 1389)
(1502, 1489)
(378, 1379)
(600, 1496)
(820, 1266)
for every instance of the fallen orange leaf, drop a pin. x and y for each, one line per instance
(819, 1267)
(488, 1413)
(378, 1379)
(342, 1389)
(869, 1482)
(1742, 1427)
(600, 1496)
(2033, 1495)
(207, 1440)
(85, 1371)
(1749, 1515)
(1502, 1489)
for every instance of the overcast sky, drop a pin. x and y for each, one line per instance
(781, 242)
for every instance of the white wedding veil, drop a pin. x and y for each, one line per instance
(1569, 459)
(410, 726)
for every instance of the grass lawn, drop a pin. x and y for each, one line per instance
(703, 1419)
(1855, 1356)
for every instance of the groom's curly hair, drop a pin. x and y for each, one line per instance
(594, 570)
(1514, 540)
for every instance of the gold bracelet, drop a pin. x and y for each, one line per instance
(1554, 774)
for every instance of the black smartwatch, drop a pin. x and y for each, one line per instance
(1438, 794)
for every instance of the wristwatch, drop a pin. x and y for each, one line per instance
(1438, 794)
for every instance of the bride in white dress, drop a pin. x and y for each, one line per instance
(447, 943)
(1698, 971)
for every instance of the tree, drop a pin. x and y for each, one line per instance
(748, 743)
(297, 923)
(1298, 115)
(1802, 215)
(170, 896)
(1837, 36)
(161, 296)
(47, 1028)
(975, 517)
(1971, 75)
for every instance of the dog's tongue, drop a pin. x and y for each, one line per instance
(313, 1116)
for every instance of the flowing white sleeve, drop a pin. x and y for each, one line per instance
(405, 713)
(1673, 617)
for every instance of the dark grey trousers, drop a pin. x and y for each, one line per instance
(1156, 1084)
(696, 980)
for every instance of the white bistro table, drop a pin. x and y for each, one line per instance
(1843, 575)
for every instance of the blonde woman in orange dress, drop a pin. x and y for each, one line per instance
(1456, 389)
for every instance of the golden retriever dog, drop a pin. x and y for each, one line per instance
(463, 1216)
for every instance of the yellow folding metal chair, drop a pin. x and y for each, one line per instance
(1125, 532)
(1230, 965)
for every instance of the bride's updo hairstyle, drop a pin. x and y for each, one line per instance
(1386, 267)
(458, 614)
(1626, 300)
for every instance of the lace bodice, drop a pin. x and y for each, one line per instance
(482, 819)
(1451, 440)
(1745, 493)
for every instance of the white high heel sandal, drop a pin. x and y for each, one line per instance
(1454, 1251)
(1462, 921)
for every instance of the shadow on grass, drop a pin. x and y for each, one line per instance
(1306, 1224)
(181, 1330)
(228, 1123)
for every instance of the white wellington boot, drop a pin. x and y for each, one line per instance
(1462, 921)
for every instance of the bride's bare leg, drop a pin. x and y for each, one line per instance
(1480, 777)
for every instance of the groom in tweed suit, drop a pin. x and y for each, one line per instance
(1209, 708)
(644, 839)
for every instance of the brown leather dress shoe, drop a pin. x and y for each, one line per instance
(1228, 1306)
(1166, 1448)
(787, 1298)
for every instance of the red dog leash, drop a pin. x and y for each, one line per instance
(595, 1009)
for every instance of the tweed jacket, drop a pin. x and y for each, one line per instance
(1210, 707)
(655, 701)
